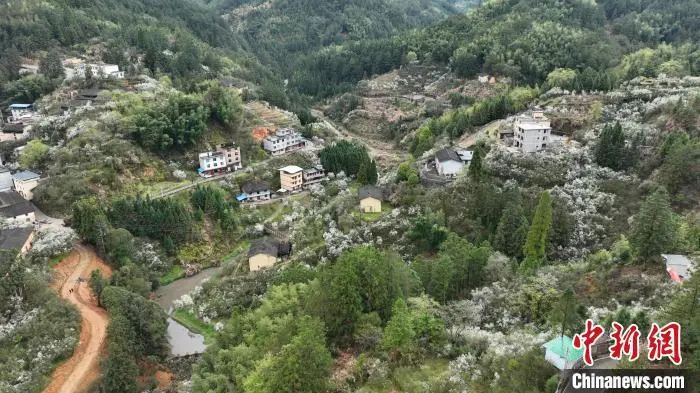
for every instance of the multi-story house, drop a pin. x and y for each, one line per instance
(313, 175)
(532, 131)
(225, 158)
(291, 178)
(284, 140)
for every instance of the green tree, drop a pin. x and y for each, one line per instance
(654, 227)
(536, 242)
(225, 105)
(511, 231)
(120, 246)
(97, 284)
(301, 366)
(399, 334)
(34, 154)
(684, 308)
(119, 372)
(476, 165)
(51, 66)
(611, 151)
(565, 312)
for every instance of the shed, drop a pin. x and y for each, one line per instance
(679, 267)
(370, 199)
(560, 352)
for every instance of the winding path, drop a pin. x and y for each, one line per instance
(83, 367)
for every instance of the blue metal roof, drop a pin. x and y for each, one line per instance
(242, 197)
(20, 106)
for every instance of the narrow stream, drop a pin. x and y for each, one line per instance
(182, 340)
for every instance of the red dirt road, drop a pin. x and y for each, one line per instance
(83, 367)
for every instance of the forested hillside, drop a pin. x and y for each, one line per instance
(275, 30)
(178, 38)
(526, 40)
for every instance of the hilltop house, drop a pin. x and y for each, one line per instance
(16, 239)
(99, 70)
(16, 209)
(24, 182)
(265, 252)
(370, 199)
(679, 267)
(313, 176)
(226, 157)
(284, 140)
(560, 352)
(254, 191)
(291, 178)
(448, 162)
(532, 131)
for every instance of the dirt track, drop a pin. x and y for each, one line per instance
(83, 368)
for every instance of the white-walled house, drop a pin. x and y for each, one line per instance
(284, 140)
(532, 131)
(24, 182)
(225, 158)
(100, 70)
(449, 162)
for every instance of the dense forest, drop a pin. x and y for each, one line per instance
(525, 40)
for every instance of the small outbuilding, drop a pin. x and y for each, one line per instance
(370, 199)
(266, 251)
(678, 267)
(560, 352)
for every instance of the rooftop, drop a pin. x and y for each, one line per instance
(16, 209)
(465, 155)
(563, 347)
(15, 128)
(253, 186)
(20, 106)
(11, 239)
(25, 175)
(445, 155)
(679, 267)
(211, 154)
(370, 191)
(265, 245)
(291, 169)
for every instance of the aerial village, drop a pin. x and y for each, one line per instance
(293, 208)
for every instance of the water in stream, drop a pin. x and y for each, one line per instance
(182, 340)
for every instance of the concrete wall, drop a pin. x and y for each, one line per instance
(257, 262)
(290, 182)
(371, 205)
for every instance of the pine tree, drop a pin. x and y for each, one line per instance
(565, 312)
(511, 231)
(51, 66)
(654, 228)
(611, 151)
(535, 245)
(476, 166)
(399, 334)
